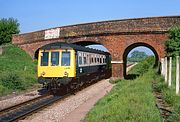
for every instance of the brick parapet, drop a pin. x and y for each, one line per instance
(125, 26)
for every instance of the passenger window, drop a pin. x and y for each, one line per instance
(54, 58)
(85, 61)
(65, 59)
(98, 60)
(80, 60)
(92, 60)
(44, 58)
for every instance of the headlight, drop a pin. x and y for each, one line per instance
(66, 73)
(43, 73)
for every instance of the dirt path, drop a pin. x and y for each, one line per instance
(130, 67)
(79, 114)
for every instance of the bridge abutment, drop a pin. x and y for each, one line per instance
(117, 69)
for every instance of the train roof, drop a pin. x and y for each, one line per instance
(64, 45)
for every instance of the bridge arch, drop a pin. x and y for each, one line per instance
(134, 45)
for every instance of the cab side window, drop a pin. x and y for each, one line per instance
(44, 58)
(65, 61)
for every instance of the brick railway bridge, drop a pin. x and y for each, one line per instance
(118, 36)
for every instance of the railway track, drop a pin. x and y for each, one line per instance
(27, 108)
(164, 108)
(22, 110)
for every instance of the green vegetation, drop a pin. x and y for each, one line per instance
(173, 43)
(7, 28)
(173, 49)
(17, 70)
(170, 97)
(169, 94)
(129, 101)
(143, 67)
(137, 56)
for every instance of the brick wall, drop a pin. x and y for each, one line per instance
(117, 36)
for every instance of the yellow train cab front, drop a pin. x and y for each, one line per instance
(56, 63)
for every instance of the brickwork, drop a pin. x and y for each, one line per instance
(117, 36)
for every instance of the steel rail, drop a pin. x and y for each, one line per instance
(21, 110)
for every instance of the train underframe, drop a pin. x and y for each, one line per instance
(61, 86)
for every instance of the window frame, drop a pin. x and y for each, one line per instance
(42, 53)
(57, 58)
(91, 59)
(62, 58)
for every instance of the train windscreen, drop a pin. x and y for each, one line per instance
(54, 58)
(65, 59)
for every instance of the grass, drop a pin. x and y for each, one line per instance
(17, 70)
(143, 66)
(169, 95)
(129, 101)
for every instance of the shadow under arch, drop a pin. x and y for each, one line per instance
(81, 43)
(86, 43)
(36, 54)
(132, 46)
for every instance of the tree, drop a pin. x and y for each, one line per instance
(137, 56)
(173, 43)
(7, 28)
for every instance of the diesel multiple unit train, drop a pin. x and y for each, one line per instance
(63, 67)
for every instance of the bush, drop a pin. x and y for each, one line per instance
(173, 43)
(143, 66)
(13, 81)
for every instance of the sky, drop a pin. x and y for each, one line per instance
(36, 15)
(140, 48)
